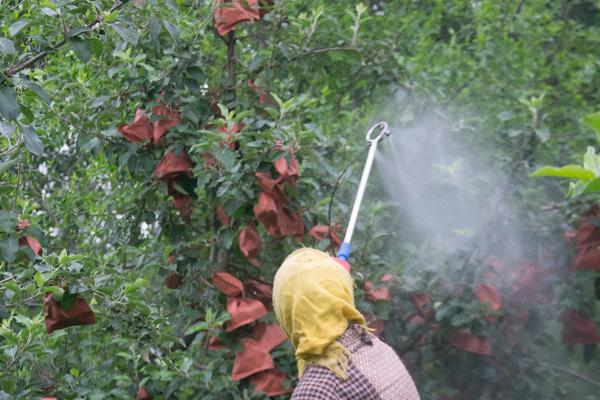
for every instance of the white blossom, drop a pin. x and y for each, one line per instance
(43, 168)
(64, 149)
(145, 229)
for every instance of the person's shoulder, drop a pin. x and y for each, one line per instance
(317, 383)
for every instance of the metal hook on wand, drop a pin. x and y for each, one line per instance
(344, 251)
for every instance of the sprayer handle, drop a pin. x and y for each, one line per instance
(344, 251)
(343, 255)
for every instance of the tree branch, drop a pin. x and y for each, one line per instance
(45, 206)
(231, 64)
(566, 371)
(62, 21)
(13, 69)
(326, 50)
(517, 10)
(13, 8)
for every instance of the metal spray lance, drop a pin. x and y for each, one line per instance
(344, 251)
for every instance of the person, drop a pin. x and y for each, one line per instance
(338, 357)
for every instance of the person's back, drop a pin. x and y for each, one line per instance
(338, 358)
(374, 373)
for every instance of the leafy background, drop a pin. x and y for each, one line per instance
(519, 76)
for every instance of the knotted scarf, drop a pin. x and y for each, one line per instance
(313, 300)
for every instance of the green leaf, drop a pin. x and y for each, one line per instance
(179, 188)
(32, 140)
(112, 16)
(75, 267)
(37, 89)
(4, 165)
(154, 28)
(55, 290)
(8, 221)
(96, 46)
(8, 249)
(17, 27)
(125, 355)
(63, 257)
(99, 101)
(52, 4)
(23, 320)
(200, 326)
(6, 130)
(89, 144)
(28, 114)
(57, 296)
(460, 319)
(49, 12)
(592, 186)
(77, 31)
(279, 101)
(223, 109)
(593, 121)
(81, 48)
(172, 29)
(591, 161)
(4, 188)
(39, 279)
(128, 34)
(543, 134)
(223, 189)
(13, 286)
(576, 188)
(568, 171)
(7, 46)
(227, 158)
(9, 108)
(134, 286)
(68, 301)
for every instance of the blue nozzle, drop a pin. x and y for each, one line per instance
(344, 251)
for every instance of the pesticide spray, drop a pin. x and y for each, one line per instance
(460, 224)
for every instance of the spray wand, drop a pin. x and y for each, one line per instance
(344, 251)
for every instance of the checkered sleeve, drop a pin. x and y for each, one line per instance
(317, 383)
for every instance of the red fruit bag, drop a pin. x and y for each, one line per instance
(271, 382)
(262, 291)
(57, 318)
(174, 164)
(183, 204)
(168, 119)
(578, 328)
(268, 336)
(228, 284)
(140, 130)
(230, 13)
(374, 294)
(143, 394)
(243, 311)
(489, 295)
(173, 280)
(32, 243)
(473, 344)
(249, 242)
(250, 361)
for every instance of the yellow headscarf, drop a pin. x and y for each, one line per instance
(314, 303)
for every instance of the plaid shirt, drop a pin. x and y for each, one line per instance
(374, 373)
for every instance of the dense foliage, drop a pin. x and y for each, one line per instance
(91, 212)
